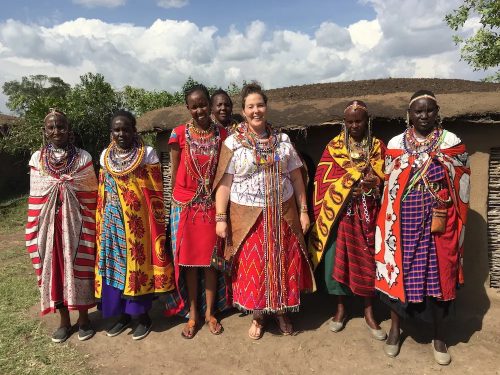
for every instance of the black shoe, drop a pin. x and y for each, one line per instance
(142, 329)
(61, 334)
(85, 332)
(119, 326)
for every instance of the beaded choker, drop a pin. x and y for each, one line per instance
(119, 162)
(414, 146)
(57, 162)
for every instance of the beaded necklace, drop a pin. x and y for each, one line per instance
(358, 152)
(413, 146)
(264, 146)
(201, 143)
(59, 161)
(120, 162)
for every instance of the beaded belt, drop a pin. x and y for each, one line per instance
(434, 186)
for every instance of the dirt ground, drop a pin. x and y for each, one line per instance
(474, 341)
(473, 338)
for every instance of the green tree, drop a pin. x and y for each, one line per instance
(90, 106)
(481, 50)
(140, 101)
(31, 98)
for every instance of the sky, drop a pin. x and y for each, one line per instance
(158, 44)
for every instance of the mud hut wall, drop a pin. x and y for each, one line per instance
(479, 140)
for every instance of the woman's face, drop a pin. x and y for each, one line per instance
(255, 110)
(222, 108)
(123, 132)
(423, 115)
(199, 107)
(56, 130)
(356, 122)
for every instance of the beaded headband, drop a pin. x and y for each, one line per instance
(354, 106)
(425, 96)
(54, 112)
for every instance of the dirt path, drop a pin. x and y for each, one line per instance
(474, 344)
(474, 339)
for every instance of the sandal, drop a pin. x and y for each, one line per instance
(284, 324)
(214, 326)
(258, 327)
(190, 329)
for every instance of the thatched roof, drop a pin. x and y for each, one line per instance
(311, 105)
(6, 121)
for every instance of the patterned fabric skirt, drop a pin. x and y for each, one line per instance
(354, 264)
(268, 282)
(420, 264)
(177, 301)
(113, 256)
(57, 271)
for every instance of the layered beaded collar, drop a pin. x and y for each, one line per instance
(59, 161)
(119, 162)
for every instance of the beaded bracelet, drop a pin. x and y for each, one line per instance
(221, 217)
(303, 209)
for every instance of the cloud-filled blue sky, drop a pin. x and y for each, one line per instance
(157, 44)
(294, 15)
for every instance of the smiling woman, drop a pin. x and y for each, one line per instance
(61, 213)
(132, 266)
(259, 187)
(194, 149)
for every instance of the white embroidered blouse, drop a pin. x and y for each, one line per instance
(248, 181)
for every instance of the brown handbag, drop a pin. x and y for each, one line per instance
(438, 222)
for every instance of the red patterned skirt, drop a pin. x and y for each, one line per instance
(354, 263)
(269, 278)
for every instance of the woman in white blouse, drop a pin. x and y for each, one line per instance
(259, 174)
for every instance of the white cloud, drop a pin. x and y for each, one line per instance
(333, 36)
(172, 3)
(365, 34)
(410, 42)
(100, 3)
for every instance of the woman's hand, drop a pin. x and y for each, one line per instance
(221, 229)
(370, 181)
(305, 223)
(356, 192)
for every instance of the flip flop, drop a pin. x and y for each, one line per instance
(259, 330)
(214, 326)
(190, 329)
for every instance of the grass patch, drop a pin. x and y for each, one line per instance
(25, 346)
(13, 213)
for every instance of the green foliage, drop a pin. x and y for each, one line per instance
(140, 101)
(31, 98)
(481, 50)
(90, 106)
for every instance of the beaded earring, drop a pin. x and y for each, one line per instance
(346, 134)
(439, 122)
(408, 119)
(44, 138)
(369, 133)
